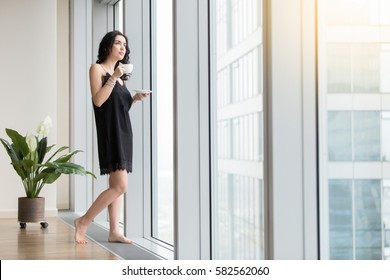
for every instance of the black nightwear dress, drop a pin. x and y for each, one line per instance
(114, 132)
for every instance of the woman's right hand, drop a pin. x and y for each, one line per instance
(119, 71)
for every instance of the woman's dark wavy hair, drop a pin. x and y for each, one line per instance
(105, 47)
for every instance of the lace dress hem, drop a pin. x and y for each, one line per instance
(115, 167)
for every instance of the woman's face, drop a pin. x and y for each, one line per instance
(118, 50)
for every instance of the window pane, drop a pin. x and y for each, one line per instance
(353, 71)
(354, 67)
(366, 136)
(386, 217)
(360, 14)
(339, 68)
(385, 141)
(236, 78)
(365, 67)
(118, 25)
(118, 16)
(384, 67)
(339, 136)
(162, 132)
(368, 219)
(340, 219)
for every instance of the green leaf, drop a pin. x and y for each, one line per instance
(11, 152)
(26, 164)
(42, 149)
(18, 141)
(91, 174)
(49, 148)
(67, 157)
(14, 159)
(68, 168)
(56, 152)
(51, 177)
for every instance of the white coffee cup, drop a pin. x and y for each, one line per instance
(128, 68)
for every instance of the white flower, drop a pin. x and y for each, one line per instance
(45, 126)
(31, 141)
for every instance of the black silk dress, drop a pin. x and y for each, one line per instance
(114, 132)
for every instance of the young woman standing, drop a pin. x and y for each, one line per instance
(111, 102)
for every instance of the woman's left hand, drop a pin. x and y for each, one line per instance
(140, 96)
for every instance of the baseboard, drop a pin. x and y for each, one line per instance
(62, 205)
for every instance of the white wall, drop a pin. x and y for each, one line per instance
(28, 79)
(63, 94)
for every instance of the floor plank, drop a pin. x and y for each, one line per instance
(55, 242)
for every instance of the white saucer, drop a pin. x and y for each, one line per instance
(143, 91)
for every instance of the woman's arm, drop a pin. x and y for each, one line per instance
(99, 92)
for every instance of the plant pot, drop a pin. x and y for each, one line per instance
(31, 210)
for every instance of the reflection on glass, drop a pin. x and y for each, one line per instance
(366, 136)
(340, 219)
(365, 65)
(354, 67)
(339, 136)
(339, 68)
(118, 25)
(236, 78)
(354, 88)
(162, 100)
(385, 141)
(355, 219)
(386, 218)
(368, 232)
(118, 16)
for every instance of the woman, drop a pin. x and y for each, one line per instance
(111, 102)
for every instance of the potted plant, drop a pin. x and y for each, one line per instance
(28, 158)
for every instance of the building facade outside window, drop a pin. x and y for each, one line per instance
(162, 121)
(354, 102)
(237, 118)
(118, 16)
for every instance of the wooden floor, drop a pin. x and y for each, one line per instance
(54, 242)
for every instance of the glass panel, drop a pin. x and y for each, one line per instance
(384, 67)
(340, 219)
(339, 68)
(339, 136)
(386, 218)
(366, 136)
(236, 82)
(356, 65)
(385, 136)
(365, 68)
(384, 10)
(118, 16)
(118, 25)
(162, 127)
(368, 219)
(360, 14)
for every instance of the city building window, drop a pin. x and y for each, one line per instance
(162, 121)
(354, 129)
(237, 149)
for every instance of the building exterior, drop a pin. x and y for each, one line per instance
(354, 104)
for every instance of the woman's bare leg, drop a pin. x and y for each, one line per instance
(114, 214)
(118, 186)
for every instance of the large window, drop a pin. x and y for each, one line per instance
(237, 119)
(355, 219)
(118, 16)
(354, 66)
(162, 121)
(118, 25)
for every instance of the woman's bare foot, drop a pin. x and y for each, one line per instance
(80, 231)
(117, 237)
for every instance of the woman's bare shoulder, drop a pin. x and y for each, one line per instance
(96, 68)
